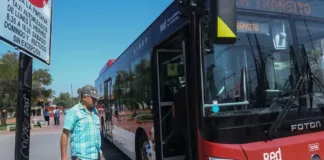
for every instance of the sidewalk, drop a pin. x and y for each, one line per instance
(49, 129)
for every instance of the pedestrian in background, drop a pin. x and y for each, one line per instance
(47, 116)
(83, 125)
(57, 113)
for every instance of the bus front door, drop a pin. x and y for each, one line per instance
(108, 113)
(170, 77)
(109, 117)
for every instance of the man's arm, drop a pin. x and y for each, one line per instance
(69, 123)
(64, 142)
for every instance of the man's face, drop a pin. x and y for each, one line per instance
(90, 101)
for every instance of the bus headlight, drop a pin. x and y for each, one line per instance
(315, 157)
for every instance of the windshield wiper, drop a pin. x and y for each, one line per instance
(312, 79)
(271, 133)
(274, 127)
(309, 74)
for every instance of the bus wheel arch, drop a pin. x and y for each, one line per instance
(141, 140)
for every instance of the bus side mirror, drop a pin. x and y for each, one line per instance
(223, 28)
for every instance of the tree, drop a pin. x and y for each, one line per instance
(8, 83)
(142, 83)
(75, 100)
(41, 79)
(9, 65)
(132, 87)
(64, 100)
(79, 92)
(117, 90)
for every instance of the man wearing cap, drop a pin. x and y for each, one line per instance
(82, 124)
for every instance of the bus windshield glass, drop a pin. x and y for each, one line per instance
(259, 73)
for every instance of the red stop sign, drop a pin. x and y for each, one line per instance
(39, 3)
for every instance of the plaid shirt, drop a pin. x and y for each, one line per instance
(84, 127)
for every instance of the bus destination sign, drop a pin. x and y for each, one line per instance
(242, 26)
(297, 7)
(255, 27)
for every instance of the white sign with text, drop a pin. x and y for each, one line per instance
(274, 155)
(26, 24)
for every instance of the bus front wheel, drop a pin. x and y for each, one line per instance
(143, 148)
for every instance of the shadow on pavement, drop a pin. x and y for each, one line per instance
(112, 152)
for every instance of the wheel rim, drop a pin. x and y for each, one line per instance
(145, 151)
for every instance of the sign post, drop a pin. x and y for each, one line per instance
(24, 108)
(26, 25)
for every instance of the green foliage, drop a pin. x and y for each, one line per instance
(65, 100)
(144, 117)
(9, 65)
(41, 79)
(4, 127)
(42, 76)
(79, 91)
(132, 87)
(75, 100)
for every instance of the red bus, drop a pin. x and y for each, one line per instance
(254, 75)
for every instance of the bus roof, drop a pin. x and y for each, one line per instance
(171, 20)
(106, 66)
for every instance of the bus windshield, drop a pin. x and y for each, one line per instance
(259, 73)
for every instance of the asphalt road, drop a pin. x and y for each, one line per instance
(46, 146)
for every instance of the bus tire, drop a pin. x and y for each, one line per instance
(143, 147)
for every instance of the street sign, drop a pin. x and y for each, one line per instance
(27, 25)
(172, 69)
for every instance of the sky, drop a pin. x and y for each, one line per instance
(86, 35)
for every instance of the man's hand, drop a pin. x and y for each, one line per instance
(64, 158)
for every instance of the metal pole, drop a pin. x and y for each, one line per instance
(71, 91)
(24, 107)
(71, 96)
(193, 48)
